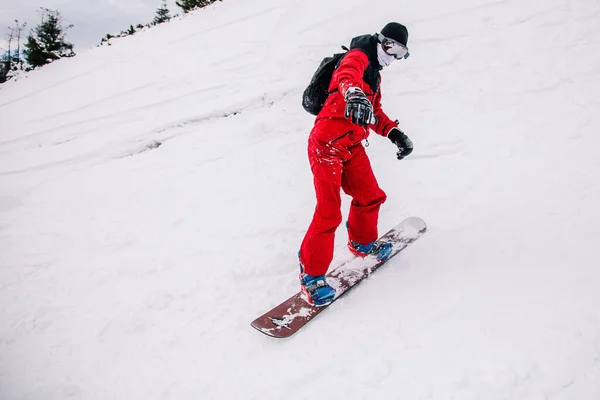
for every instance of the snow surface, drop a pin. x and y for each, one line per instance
(131, 271)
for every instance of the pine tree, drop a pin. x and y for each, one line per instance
(3, 69)
(10, 35)
(162, 14)
(34, 53)
(19, 28)
(186, 5)
(189, 5)
(47, 41)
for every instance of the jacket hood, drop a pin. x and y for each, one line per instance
(368, 45)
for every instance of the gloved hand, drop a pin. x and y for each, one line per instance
(358, 107)
(405, 145)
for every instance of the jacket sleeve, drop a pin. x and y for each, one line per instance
(350, 72)
(384, 123)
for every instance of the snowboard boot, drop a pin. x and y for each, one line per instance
(381, 250)
(315, 289)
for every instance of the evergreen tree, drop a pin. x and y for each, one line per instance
(10, 35)
(35, 55)
(47, 41)
(189, 5)
(19, 28)
(186, 5)
(4, 63)
(162, 14)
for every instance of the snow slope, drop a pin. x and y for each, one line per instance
(131, 271)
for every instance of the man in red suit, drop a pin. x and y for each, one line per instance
(338, 159)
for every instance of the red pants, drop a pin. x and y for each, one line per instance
(333, 168)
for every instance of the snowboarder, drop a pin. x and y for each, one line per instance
(338, 159)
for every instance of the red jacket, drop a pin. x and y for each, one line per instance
(337, 128)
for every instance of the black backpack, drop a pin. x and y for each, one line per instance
(317, 90)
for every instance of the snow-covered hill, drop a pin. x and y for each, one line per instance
(153, 195)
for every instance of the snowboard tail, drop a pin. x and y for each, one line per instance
(288, 317)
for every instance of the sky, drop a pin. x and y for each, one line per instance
(92, 19)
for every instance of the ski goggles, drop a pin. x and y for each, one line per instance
(393, 48)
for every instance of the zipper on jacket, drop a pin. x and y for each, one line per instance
(341, 137)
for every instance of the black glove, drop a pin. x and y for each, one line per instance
(358, 107)
(405, 145)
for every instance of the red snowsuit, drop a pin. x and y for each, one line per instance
(338, 160)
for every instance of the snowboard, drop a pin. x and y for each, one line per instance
(288, 317)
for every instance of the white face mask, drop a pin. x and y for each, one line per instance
(383, 58)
